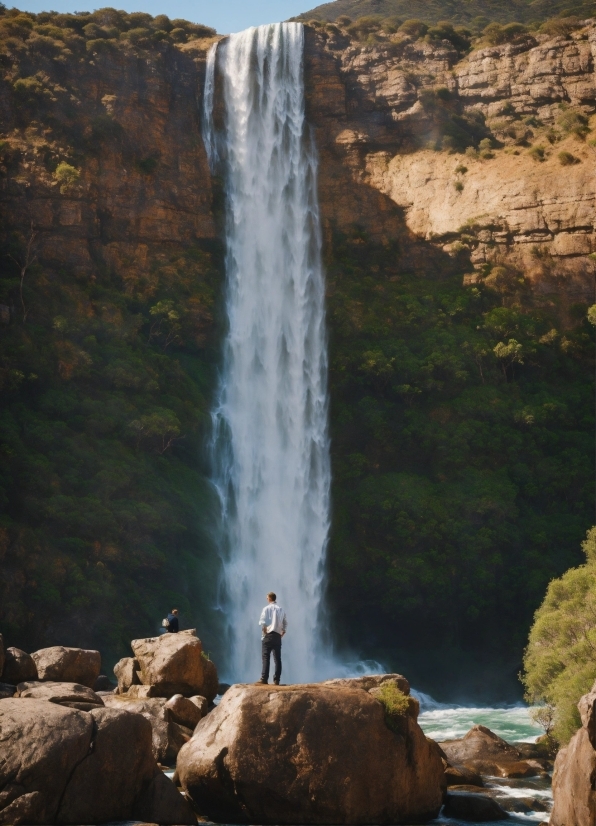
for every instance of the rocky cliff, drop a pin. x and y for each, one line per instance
(386, 114)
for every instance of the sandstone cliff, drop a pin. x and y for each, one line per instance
(527, 200)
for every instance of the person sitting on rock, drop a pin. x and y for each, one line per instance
(173, 621)
(273, 624)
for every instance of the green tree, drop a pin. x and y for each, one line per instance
(560, 660)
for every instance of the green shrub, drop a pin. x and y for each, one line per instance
(537, 153)
(567, 159)
(560, 26)
(495, 34)
(147, 165)
(573, 123)
(66, 175)
(414, 28)
(395, 704)
(459, 187)
(28, 88)
(559, 662)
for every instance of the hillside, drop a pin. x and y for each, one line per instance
(474, 13)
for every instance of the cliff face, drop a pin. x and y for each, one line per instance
(520, 203)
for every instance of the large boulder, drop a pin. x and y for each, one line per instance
(574, 778)
(309, 754)
(18, 667)
(174, 664)
(72, 695)
(483, 752)
(69, 665)
(126, 673)
(168, 736)
(65, 766)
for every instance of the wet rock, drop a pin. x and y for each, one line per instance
(309, 754)
(126, 673)
(60, 664)
(168, 737)
(222, 688)
(485, 753)
(183, 711)
(174, 664)
(7, 690)
(475, 807)
(65, 766)
(18, 667)
(72, 695)
(460, 775)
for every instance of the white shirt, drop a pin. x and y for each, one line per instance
(273, 618)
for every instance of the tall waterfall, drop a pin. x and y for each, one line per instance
(270, 444)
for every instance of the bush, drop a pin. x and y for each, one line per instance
(66, 175)
(29, 88)
(537, 153)
(459, 38)
(560, 26)
(395, 704)
(567, 159)
(495, 34)
(414, 28)
(459, 187)
(573, 123)
(559, 662)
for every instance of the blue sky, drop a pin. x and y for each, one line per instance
(224, 15)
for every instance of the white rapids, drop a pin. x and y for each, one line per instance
(270, 446)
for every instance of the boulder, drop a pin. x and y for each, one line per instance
(475, 807)
(62, 766)
(18, 667)
(7, 690)
(168, 737)
(201, 703)
(72, 695)
(69, 665)
(174, 664)
(126, 673)
(574, 777)
(103, 683)
(460, 775)
(483, 752)
(183, 711)
(222, 688)
(309, 754)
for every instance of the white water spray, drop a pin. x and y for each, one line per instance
(270, 447)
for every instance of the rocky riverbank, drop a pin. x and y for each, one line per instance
(76, 749)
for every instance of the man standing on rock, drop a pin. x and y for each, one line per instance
(273, 624)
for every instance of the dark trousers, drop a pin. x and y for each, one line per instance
(271, 644)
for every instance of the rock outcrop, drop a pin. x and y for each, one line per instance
(374, 108)
(574, 778)
(309, 754)
(65, 766)
(71, 665)
(18, 667)
(126, 671)
(174, 664)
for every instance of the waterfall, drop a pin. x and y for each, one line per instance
(270, 445)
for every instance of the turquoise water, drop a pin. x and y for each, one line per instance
(451, 722)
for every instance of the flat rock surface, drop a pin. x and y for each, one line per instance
(65, 694)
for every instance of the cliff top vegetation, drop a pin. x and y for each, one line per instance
(475, 14)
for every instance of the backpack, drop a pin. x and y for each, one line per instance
(165, 623)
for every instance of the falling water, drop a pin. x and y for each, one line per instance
(270, 446)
